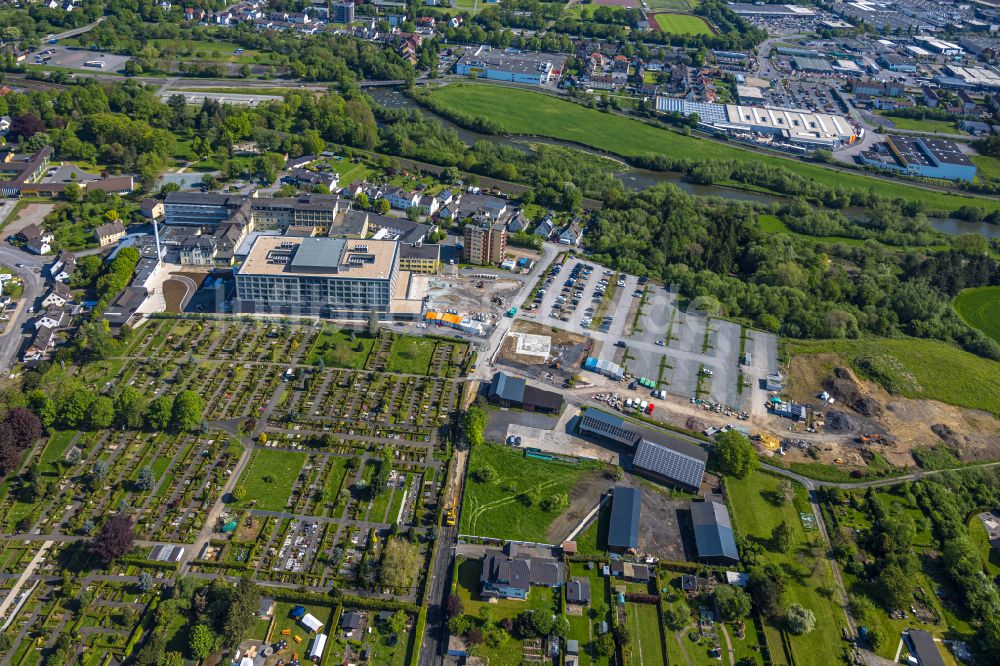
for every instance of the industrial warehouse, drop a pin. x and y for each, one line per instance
(919, 156)
(803, 130)
(534, 68)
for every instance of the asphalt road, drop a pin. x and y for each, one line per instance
(30, 273)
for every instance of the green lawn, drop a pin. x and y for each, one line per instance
(989, 167)
(504, 508)
(980, 308)
(594, 539)
(333, 345)
(673, 5)
(270, 476)
(644, 623)
(283, 620)
(349, 171)
(810, 578)
(991, 559)
(54, 452)
(925, 125)
(682, 24)
(773, 225)
(527, 112)
(411, 355)
(468, 591)
(917, 368)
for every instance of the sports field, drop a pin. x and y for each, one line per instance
(682, 24)
(980, 308)
(527, 112)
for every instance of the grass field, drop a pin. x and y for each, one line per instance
(643, 621)
(672, 5)
(980, 308)
(682, 24)
(411, 355)
(503, 508)
(916, 368)
(989, 167)
(925, 125)
(54, 452)
(991, 559)
(527, 112)
(334, 346)
(270, 476)
(810, 578)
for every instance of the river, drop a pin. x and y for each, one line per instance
(640, 179)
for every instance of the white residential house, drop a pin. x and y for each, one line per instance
(41, 344)
(571, 235)
(402, 199)
(429, 205)
(37, 239)
(52, 318)
(63, 267)
(59, 296)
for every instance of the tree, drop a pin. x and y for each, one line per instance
(454, 606)
(604, 646)
(102, 413)
(799, 620)
(766, 585)
(145, 480)
(241, 611)
(485, 474)
(74, 407)
(202, 641)
(362, 201)
(186, 412)
(372, 323)
(786, 491)
(732, 602)
(397, 623)
(159, 413)
(781, 537)
(25, 426)
(894, 586)
(116, 538)
(556, 503)
(130, 408)
(381, 206)
(474, 424)
(735, 454)
(239, 492)
(146, 581)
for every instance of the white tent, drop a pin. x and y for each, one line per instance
(311, 623)
(316, 653)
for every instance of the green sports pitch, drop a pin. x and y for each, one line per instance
(682, 24)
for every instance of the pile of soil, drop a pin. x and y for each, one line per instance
(838, 421)
(946, 434)
(695, 424)
(846, 388)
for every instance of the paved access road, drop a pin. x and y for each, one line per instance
(30, 269)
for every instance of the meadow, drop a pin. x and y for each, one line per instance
(980, 308)
(510, 505)
(527, 112)
(810, 577)
(336, 349)
(916, 368)
(925, 125)
(682, 24)
(270, 476)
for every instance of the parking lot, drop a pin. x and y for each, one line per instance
(60, 56)
(571, 298)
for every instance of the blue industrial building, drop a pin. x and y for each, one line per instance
(919, 156)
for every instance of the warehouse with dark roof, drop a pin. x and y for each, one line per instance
(659, 456)
(713, 533)
(623, 530)
(507, 391)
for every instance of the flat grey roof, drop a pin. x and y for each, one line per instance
(318, 253)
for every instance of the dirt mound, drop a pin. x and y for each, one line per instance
(846, 388)
(946, 434)
(695, 424)
(838, 421)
